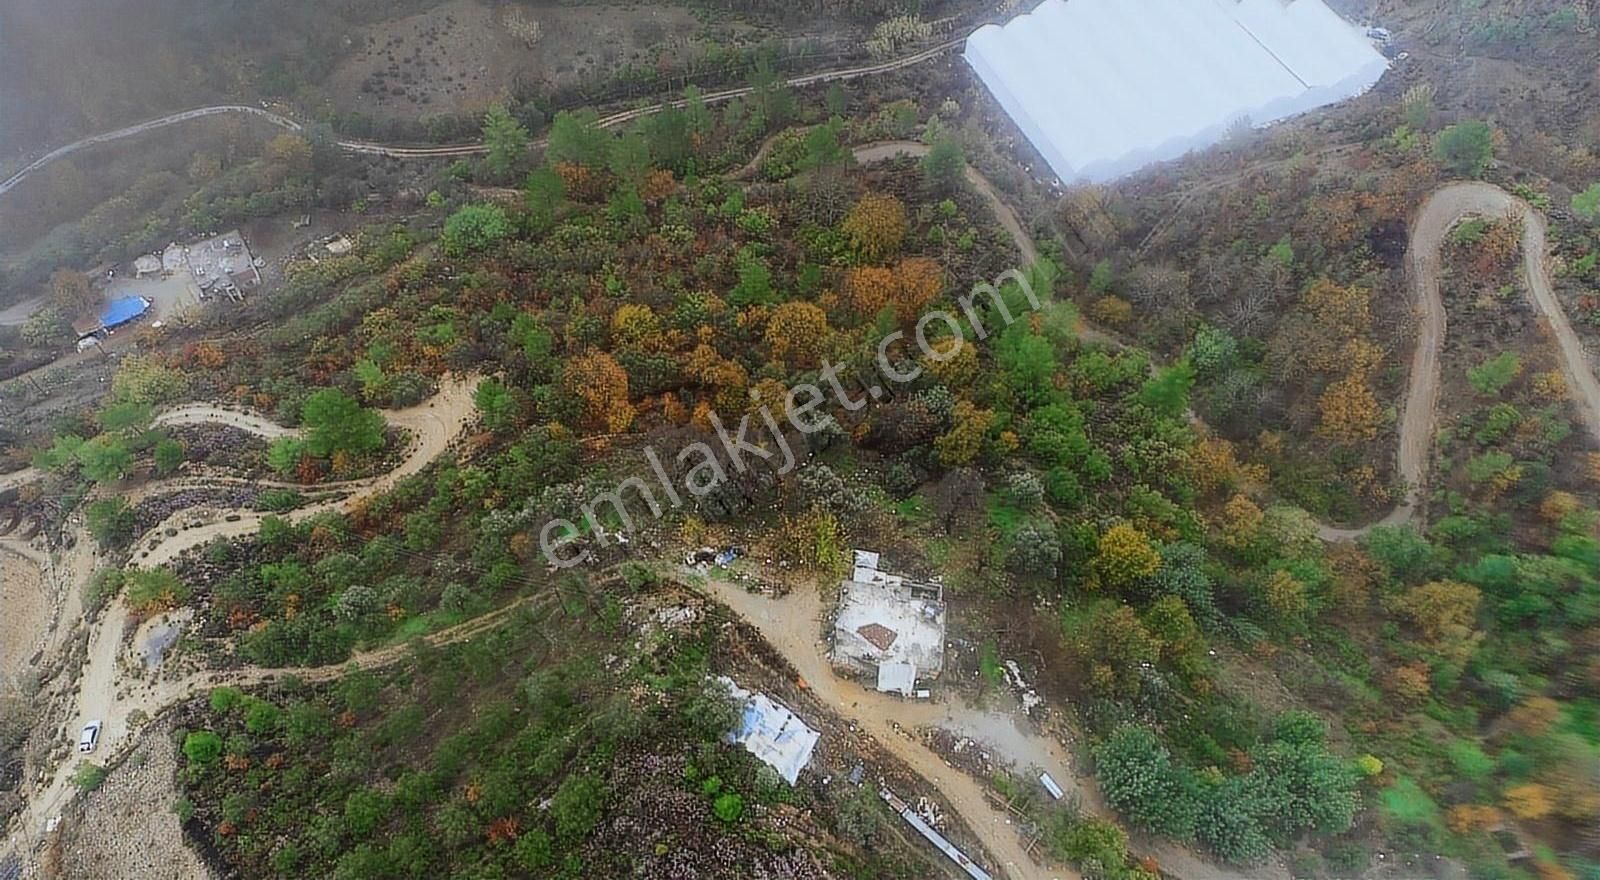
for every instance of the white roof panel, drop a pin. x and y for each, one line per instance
(1104, 87)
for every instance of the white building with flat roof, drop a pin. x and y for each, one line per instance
(889, 627)
(1102, 88)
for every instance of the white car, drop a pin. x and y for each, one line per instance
(90, 736)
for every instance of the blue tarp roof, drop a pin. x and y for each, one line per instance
(124, 310)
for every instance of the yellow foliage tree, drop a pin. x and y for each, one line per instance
(1112, 310)
(1285, 595)
(1557, 506)
(1529, 801)
(1241, 521)
(1441, 609)
(1550, 385)
(1410, 683)
(870, 288)
(1534, 715)
(1472, 818)
(961, 445)
(876, 226)
(1124, 555)
(797, 333)
(634, 325)
(956, 364)
(1341, 311)
(1349, 410)
(918, 282)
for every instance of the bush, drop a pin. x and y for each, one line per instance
(576, 805)
(224, 699)
(728, 806)
(102, 588)
(1466, 147)
(88, 777)
(202, 747)
(110, 521)
(279, 500)
(475, 228)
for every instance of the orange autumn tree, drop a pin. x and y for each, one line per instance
(876, 226)
(918, 282)
(596, 379)
(907, 288)
(870, 288)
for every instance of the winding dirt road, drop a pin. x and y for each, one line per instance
(394, 151)
(793, 629)
(105, 695)
(1444, 208)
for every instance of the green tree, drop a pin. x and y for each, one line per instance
(822, 146)
(202, 747)
(1227, 823)
(506, 140)
(630, 158)
(543, 196)
(474, 228)
(284, 453)
(577, 137)
(1167, 392)
(495, 403)
(168, 455)
(363, 810)
(1465, 148)
(335, 422)
(104, 459)
(125, 417)
(110, 521)
(728, 807)
(1140, 779)
(1587, 203)
(771, 95)
(945, 163)
(1493, 375)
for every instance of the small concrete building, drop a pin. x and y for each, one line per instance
(146, 265)
(889, 627)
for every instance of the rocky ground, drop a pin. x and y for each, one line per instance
(126, 828)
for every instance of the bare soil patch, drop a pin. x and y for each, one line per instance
(465, 55)
(24, 614)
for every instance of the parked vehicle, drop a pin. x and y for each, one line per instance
(90, 738)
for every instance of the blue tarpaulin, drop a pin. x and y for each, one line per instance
(123, 310)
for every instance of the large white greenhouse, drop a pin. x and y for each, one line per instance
(1103, 88)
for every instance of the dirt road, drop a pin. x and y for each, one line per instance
(395, 151)
(103, 694)
(1445, 208)
(140, 128)
(197, 414)
(792, 625)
